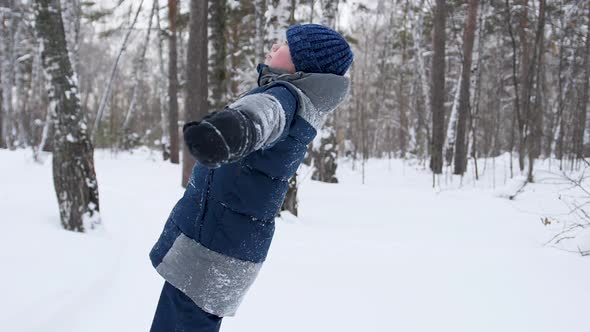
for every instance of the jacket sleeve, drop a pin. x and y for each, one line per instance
(252, 122)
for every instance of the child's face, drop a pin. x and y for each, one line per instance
(280, 57)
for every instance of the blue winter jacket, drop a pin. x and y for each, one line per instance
(218, 234)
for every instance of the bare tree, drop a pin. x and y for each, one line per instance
(73, 162)
(218, 74)
(421, 81)
(401, 93)
(535, 114)
(277, 19)
(465, 86)
(106, 95)
(196, 100)
(259, 10)
(325, 153)
(2, 142)
(583, 105)
(173, 82)
(162, 93)
(126, 139)
(72, 14)
(438, 87)
(8, 28)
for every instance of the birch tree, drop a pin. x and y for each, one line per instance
(277, 20)
(259, 12)
(106, 95)
(8, 62)
(126, 138)
(324, 151)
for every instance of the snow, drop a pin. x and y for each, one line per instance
(390, 255)
(511, 187)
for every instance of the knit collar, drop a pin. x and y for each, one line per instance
(267, 74)
(325, 91)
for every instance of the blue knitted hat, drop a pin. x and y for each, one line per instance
(318, 49)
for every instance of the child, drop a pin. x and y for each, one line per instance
(218, 234)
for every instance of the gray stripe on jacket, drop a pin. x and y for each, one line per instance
(268, 116)
(215, 282)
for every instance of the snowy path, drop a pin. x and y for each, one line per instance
(390, 255)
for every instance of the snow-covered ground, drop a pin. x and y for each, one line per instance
(390, 255)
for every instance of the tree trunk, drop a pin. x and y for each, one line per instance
(421, 80)
(290, 203)
(260, 8)
(127, 140)
(557, 142)
(173, 83)
(277, 20)
(73, 162)
(517, 120)
(2, 141)
(464, 92)
(535, 117)
(7, 67)
(329, 12)
(108, 91)
(162, 93)
(71, 14)
(474, 114)
(196, 100)
(451, 136)
(21, 83)
(438, 87)
(526, 75)
(581, 123)
(218, 76)
(403, 100)
(326, 155)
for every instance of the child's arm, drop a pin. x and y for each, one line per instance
(252, 122)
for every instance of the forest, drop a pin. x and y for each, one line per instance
(444, 82)
(448, 191)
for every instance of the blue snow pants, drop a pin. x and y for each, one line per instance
(176, 312)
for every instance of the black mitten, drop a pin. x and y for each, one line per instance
(206, 144)
(220, 137)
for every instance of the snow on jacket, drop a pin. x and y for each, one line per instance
(218, 234)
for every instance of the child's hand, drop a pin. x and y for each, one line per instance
(205, 143)
(220, 137)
